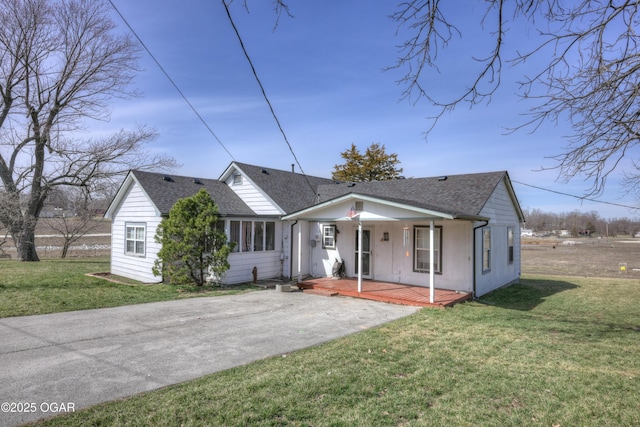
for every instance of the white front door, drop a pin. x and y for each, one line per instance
(367, 269)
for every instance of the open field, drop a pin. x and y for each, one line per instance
(582, 257)
(49, 242)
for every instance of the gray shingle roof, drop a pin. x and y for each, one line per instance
(165, 193)
(287, 189)
(457, 194)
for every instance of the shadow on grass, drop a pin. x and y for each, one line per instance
(527, 294)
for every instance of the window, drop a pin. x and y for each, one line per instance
(258, 236)
(252, 236)
(237, 179)
(328, 237)
(421, 249)
(247, 229)
(134, 239)
(510, 245)
(270, 236)
(234, 234)
(486, 250)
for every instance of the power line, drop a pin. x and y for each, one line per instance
(576, 197)
(264, 93)
(171, 80)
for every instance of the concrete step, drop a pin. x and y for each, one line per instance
(323, 292)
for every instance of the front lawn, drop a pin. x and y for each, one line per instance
(551, 351)
(55, 285)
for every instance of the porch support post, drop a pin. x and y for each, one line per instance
(299, 252)
(431, 263)
(359, 256)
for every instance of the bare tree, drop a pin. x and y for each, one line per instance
(72, 227)
(61, 62)
(589, 71)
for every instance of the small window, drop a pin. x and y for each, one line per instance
(246, 235)
(421, 249)
(328, 237)
(486, 250)
(135, 239)
(270, 236)
(237, 179)
(510, 245)
(258, 237)
(234, 234)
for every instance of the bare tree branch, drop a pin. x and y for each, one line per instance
(61, 62)
(589, 73)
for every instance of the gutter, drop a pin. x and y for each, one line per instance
(486, 222)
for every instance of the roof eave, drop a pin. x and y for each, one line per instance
(422, 213)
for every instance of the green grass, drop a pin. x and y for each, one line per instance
(546, 352)
(51, 286)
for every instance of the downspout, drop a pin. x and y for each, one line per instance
(291, 250)
(486, 222)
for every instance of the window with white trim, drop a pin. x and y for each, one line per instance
(135, 239)
(328, 237)
(252, 236)
(486, 250)
(421, 249)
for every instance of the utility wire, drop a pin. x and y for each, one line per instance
(576, 197)
(264, 94)
(171, 80)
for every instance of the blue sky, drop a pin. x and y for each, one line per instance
(323, 73)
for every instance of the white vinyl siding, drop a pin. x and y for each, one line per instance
(254, 197)
(505, 247)
(135, 208)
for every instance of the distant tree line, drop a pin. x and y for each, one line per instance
(579, 223)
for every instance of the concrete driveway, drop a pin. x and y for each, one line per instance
(66, 361)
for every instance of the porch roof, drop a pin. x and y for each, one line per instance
(460, 197)
(400, 210)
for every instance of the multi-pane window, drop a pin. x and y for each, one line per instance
(486, 249)
(421, 249)
(134, 239)
(510, 245)
(328, 236)
(252, 236)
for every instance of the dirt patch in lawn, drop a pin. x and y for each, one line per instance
(582, 257)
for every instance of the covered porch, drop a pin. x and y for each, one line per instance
(384, 291)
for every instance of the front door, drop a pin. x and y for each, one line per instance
(366, 253)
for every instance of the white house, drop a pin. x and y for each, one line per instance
(460, 232)
(287, 224)
(250, 199)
